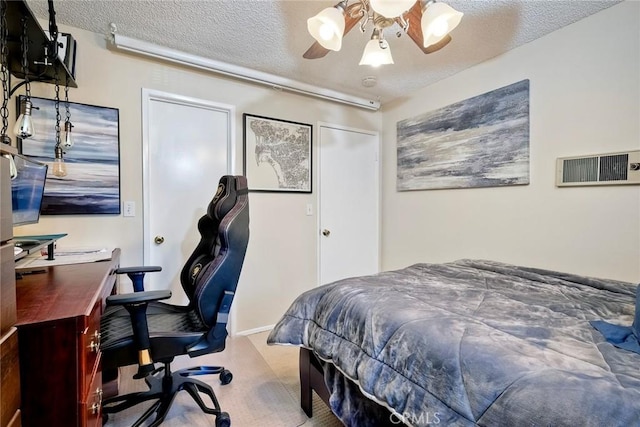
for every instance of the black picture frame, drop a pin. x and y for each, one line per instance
(277, 154)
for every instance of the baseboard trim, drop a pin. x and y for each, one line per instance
(255, 330)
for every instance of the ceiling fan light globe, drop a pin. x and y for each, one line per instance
(327, 28)
(374, 55)
(438, 20)
(326, 31)
(439, 27)
(391, 8)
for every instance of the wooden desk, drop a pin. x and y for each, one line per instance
(58, 325)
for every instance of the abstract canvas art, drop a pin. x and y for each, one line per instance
(479, 142)
(277, 154)
(92, 183)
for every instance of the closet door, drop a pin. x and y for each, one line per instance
(349, 207)
(187, 147)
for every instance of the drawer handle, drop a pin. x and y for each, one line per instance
(95, 408)
(95, 342)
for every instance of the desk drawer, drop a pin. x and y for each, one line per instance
(90, 347)
(91, 404)
(9, 377)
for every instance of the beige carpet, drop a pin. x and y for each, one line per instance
(255, 397)
(283, 360)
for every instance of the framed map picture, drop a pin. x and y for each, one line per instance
(277, 154)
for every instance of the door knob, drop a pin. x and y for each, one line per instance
(326, 232)
(159, 240)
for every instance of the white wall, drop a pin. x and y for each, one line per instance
(584, 99)
(585, 96)
(282, 253)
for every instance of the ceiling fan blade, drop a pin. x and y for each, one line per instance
(414, 16)
(316, 50)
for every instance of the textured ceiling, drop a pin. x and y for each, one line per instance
(271, 36)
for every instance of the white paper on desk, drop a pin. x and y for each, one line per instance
(62, 257)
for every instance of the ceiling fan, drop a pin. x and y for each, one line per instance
(427, 23)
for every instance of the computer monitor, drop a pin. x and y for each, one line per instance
(27, 189)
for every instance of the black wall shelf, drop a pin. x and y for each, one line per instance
(16, 10)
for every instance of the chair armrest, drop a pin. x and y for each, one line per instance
(136, 274)
(138, 269)
(136, 304)
(138, 297)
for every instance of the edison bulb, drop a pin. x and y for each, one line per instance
(24, 126)
(59, 168)
(67, 142)
(13, 171)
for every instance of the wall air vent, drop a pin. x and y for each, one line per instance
(600, 169)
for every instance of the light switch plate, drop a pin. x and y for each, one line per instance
(129, 208)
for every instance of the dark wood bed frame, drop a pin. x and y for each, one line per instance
(311, 378)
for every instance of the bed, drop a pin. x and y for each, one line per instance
(466, 343)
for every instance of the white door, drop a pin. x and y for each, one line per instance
(349, 203)
(187, 147)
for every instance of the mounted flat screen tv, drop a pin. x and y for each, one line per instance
(27, 189)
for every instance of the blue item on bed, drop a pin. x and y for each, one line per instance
(625, 337)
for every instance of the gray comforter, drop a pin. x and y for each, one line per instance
(475, 343)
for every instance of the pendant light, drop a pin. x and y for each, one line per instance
(24, 125)
(4, 72)
(4, 76)
(67, 142)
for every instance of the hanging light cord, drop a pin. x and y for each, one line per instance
(57, 105)
(25, 58)
(66, 103)
(4, 76)
(53, 32)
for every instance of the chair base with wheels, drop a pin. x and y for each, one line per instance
(163, 387)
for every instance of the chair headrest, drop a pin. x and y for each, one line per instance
(224, 199)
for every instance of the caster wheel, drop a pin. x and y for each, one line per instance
(225, 377)
(223, 419)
